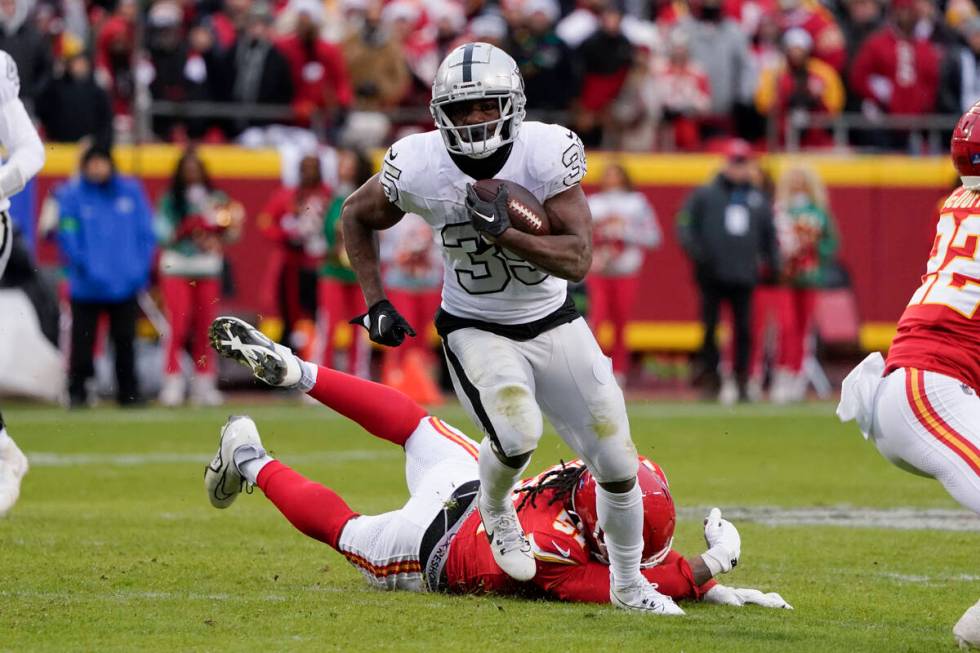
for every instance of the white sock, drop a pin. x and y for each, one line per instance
(249, 460)
(621, 519)
(497, 480)
(308, 374)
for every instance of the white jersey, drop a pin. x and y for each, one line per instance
(481, 282)
(25, 153)
(24, 150)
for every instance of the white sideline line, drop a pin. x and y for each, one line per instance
(291, 412)
(902, 518)
(49, 459)
(916, 579)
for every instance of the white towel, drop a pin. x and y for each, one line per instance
(857, 395)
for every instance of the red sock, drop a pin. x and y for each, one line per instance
(314, 510)
(380, 410)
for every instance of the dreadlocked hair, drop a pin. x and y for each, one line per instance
(563, 480)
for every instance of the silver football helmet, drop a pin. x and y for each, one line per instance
(477, 71)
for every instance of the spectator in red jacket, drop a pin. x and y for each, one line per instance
(606, 57)
(684, 93)
(293, 220)
(894, 72)
(801, 86)
(319, 72)
(819, 23)
(114, 57)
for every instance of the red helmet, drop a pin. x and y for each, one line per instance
(965, 147)
(659, 517)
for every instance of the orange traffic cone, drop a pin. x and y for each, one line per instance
(392, 374)
(417, 380)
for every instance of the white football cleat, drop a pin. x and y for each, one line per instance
(204, 391)
(241, 342)
(644, 597)
(510, 547)
(222, 480)
(967, 629)
(13, 467)
(172, 390)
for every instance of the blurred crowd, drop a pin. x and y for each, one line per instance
(626, 74)
(760, 248)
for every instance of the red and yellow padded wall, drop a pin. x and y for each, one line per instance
(885, 208)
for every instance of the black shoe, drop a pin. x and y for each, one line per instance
(131, 402)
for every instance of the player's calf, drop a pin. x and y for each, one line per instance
(508, 543)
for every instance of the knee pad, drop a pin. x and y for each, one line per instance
(516, 418)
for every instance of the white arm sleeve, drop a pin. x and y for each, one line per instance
(25, 152)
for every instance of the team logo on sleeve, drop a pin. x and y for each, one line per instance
(574, 160)
(389, 176)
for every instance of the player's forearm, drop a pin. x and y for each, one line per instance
(362, 251)
(566, 256)
(700, 569)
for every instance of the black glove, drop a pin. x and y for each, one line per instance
(488, 216)
(384, 324)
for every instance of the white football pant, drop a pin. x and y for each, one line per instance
(6, 240)
(385, 547)
(923, 422)
(505, 385)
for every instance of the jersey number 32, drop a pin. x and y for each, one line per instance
(953, 273)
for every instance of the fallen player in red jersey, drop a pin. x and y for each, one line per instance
(436, 541)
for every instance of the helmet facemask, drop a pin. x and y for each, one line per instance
(480, 140)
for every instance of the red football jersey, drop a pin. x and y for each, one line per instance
(940, 329)
(566, 569)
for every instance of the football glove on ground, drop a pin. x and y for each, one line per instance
(384, 324)
(724, 543)
(722, 595)
(489, 217)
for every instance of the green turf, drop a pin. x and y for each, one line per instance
(109, 553)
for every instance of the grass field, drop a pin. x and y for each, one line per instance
(114, 547)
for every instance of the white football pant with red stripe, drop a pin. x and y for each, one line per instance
(923, 422)
(385, 548)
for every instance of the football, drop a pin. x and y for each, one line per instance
(524, 210)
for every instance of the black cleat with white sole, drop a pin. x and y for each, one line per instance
(241, 342)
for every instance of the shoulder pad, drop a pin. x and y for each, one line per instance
(556, 157)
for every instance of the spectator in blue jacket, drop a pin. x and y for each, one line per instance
(106, 237)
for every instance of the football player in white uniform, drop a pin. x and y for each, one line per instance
(25, 156)
(516, 346)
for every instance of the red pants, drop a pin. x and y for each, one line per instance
(611, 299)
(790, 310)
(419, 308)
(796, 323)
(338, 303)
(191, 304)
